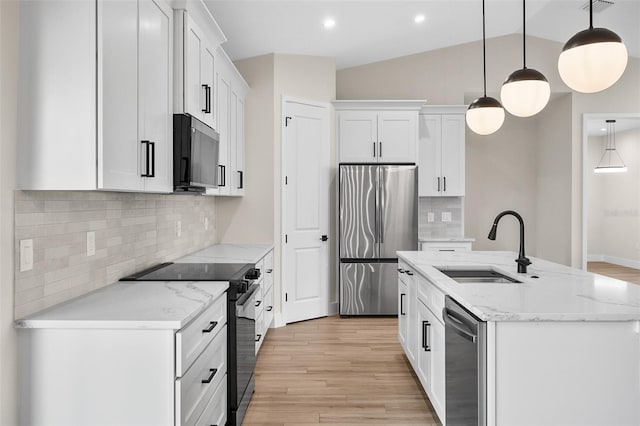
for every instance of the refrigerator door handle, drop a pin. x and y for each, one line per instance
(381, 205)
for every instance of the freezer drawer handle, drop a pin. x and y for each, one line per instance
(450, 319)
(210, 378)
(425, 336)
(212, 325)
(402, 304)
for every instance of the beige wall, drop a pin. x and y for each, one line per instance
(256, 217)
(614, 201)
(454, 76)
(8, 131)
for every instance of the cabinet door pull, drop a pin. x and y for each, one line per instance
(408, 272)
(258, 303)
(259, 336)
(241, 179)
(222, 175)
(146, 159)
(438, 184)
(210, 378)
(152, 145)
(380, 150)
(269, 308)
(269, 271)
(400, 270)
(212, 325)
(444, 185)
(374, 149)
(425, 336)
(402, 304)
(207, 99)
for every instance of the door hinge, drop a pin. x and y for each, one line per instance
(286, 297)
(286, 121)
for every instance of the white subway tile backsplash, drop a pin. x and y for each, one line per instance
(438, 228)
(132, 231)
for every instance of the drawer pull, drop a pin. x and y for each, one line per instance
(270, 308)
(258, 337)
(258, 303)
(212, 325)
(269, 271)
(210, 378)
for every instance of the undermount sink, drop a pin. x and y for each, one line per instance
(468, 276)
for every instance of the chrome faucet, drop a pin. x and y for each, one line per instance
(522, 260)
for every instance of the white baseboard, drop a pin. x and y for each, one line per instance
(620, 261)
(333, 308)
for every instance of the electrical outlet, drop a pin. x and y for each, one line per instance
(446, 216)
(91, 243)
(178, 229)
(206, 223)
(431, 217)
(26, 255)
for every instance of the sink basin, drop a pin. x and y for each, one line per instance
(465, 276)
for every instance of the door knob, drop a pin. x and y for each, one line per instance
(324, 238)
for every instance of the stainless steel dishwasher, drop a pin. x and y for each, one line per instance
(466, 366)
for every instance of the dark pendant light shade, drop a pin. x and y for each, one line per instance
(485, 115)
(526, 91)
(593, 59)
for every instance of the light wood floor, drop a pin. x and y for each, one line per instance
(336, 371)
(615, 271)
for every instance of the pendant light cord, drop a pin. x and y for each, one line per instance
(590, 14)
(524, 37)
(484, 53)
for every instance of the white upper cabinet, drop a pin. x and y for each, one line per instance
(95, 96)
(195, 65)
(441, 148)
(377, 131)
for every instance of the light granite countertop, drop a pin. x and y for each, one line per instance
(131, 305)
(560, 293)
(228, 253)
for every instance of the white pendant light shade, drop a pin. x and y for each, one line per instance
(485, 116)
(525, 92)
(593, 59)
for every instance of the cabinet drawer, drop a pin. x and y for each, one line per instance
(268, 271)
(259, 300)
(268, 311)
(192, 339)
(216, 411)
(431, 296)
(259, 332)
(195, 388)
(402, 267)
(446, 246)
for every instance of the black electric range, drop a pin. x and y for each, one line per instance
(241, 334)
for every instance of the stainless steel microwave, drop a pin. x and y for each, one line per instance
(195, 155)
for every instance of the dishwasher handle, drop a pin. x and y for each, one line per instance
(457, 324)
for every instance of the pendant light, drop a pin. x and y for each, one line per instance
(593, 59)
(526, 91)
(610, 162)
(485, 115)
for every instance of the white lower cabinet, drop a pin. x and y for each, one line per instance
(126, 376)
(407, 313)
(430, 357)
(264, 299)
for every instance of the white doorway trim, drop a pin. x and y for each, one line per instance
(280, 318)
(586, 170)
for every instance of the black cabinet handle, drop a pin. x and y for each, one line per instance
(269, 271)
(380, 150)
(152, 145)
(409, 272)
(444, 187)
(438, 184)
(223, 177)
(402, 271)
(212, 325)
(258, 303)
(210, 378)
(269, 309)
(241, 179)
(425, 336)
(324, 238)
(207, 101)
(146, 159)
(402, 304)
(374, 149)
(259, 336)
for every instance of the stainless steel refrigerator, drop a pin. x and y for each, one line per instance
(378, 215)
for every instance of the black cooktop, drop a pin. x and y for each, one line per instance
(195, 272)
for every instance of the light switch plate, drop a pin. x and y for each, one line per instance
(91, 243)
(446, 216)
(178, 229)
(26, 255)
(206, 223)
(431, 217)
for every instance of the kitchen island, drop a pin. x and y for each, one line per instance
(562, 345)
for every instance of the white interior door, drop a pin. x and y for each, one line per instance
(305, 215)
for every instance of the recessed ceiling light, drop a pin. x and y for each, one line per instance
(418, 19)
(329, 23)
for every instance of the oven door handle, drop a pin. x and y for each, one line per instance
(245, 297)
(457, 325)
